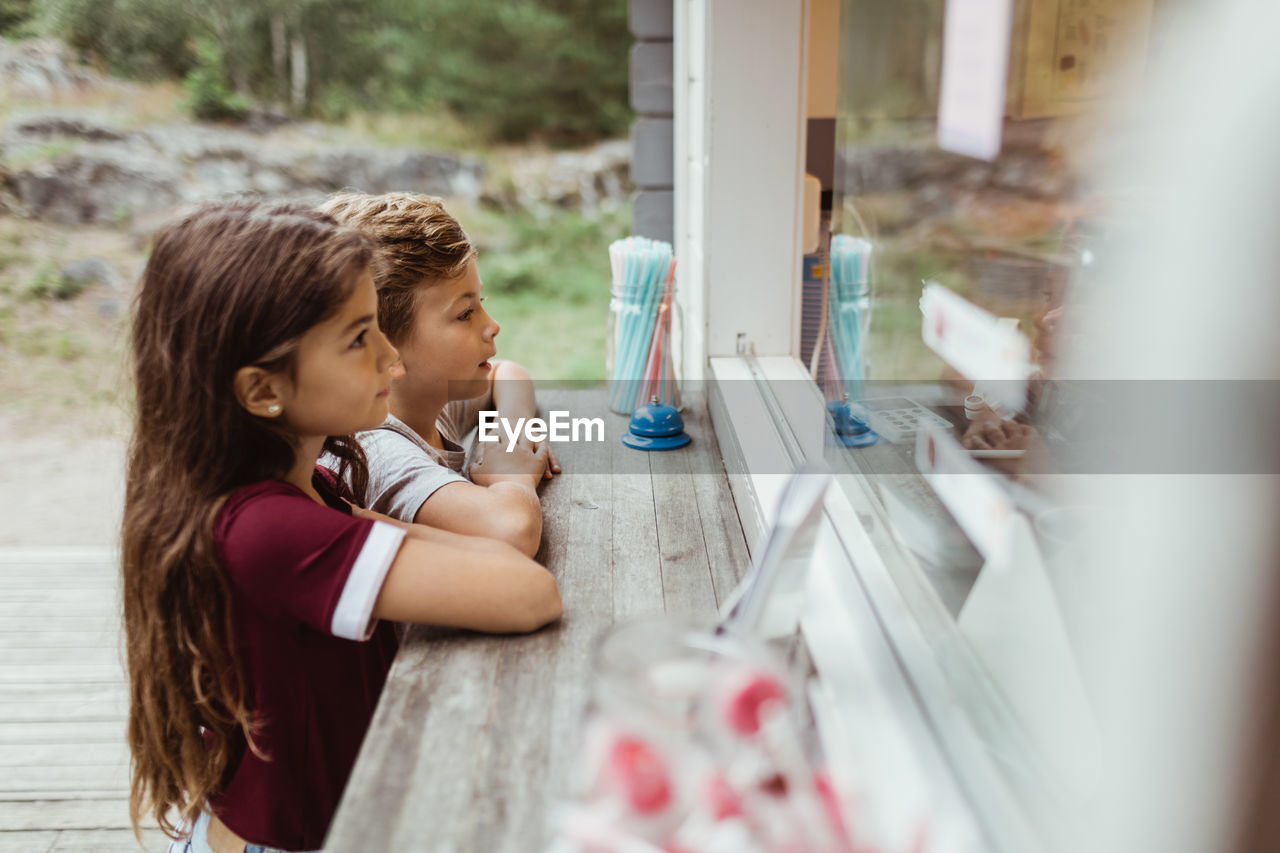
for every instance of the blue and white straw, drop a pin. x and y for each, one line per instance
(850, 312)
(641, 269)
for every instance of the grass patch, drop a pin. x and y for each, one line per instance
(547, 284)
(63, 355)
(11, 255)
(8, 325)
(130, 104)
(44, 152)
(48, 341)
(426, 129)
(48, 282)
(44, 282)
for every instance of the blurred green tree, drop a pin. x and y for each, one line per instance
(556, 69)
(510, 69)
(15, 16)
(149, 39)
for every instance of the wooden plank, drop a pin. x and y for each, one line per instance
(505, 812)
(109, 841)
(63, 754)
(686, 577)
(109, 792)
(61, 732)
(578, 515)
(63, 758)
(67, 777)
(541, 678)
(722, 532)
(429, 734)
(73, 569)
(589, 581)
(35, 841)
(51, 690)
(83, 655)
(97, 623)
(62, 673)
(27, 609)
(106, 813)
(100, 707)
(54, 555)
(637, 566)
(106, 582)
(102, 597)
(62, 638)
(107, 564)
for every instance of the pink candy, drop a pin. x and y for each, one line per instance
(830, 802)
(745, 698)
(638, 773)
(723, 800)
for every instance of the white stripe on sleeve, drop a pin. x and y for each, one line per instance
(353, 617)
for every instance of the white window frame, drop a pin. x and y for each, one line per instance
(739, 153)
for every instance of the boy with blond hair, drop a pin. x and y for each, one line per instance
(429, 306)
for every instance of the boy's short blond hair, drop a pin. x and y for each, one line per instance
(420, 243)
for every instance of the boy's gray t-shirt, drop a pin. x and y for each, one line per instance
(404, 470)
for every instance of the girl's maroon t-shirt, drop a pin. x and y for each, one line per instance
(304, 578)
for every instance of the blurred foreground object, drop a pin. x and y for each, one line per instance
(1188, 648)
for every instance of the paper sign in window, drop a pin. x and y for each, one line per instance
(975, 59)
(966, 489)
(977, 344)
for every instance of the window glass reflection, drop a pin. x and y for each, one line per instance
(937, 320)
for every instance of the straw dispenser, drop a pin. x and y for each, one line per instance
(642, 343)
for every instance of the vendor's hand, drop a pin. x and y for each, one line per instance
(1045, 340)
(526, 462)
(997, 435)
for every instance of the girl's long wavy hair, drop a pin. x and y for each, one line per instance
(228, 286)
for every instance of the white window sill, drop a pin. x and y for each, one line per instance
(892, 730)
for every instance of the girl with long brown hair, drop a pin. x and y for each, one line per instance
(255, 595)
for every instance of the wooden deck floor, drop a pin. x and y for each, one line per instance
(63, 760)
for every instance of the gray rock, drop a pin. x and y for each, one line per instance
(397, 169)
(589, 180)
(264, 119)
(100, 185)
(106, 179)
(110, 309)
(40, 68)
(221, 177)
(78, 275)
(108, 175)
(74, 125)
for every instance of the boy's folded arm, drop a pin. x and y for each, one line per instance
(506, 511)
(511, 390)
(443, 578)
(511, 394)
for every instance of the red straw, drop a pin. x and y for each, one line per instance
(650, 386)
(657, 379)
(668, 390)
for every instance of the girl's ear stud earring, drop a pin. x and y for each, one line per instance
(273, 409)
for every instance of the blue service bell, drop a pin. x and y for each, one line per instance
(656, 426)
(850, 430)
